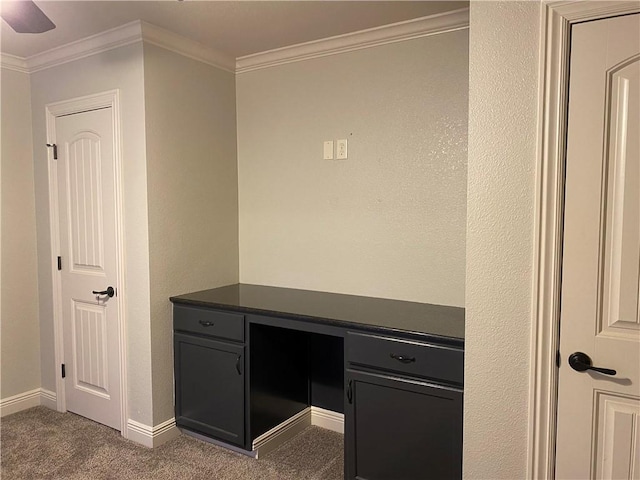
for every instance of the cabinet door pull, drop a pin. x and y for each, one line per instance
(402, 358)
(238, 364)
(205, 323)
(350, 391)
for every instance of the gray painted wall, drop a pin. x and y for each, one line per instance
(503, 127)
(19, 327)
(192, 179)
(390, 220)
(503, 99)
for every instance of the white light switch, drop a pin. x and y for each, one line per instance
(341, 149)
(328, 150)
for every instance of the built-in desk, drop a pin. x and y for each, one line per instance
(250, 361)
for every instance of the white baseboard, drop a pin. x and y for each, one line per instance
(22, 401)
(155, 436)
(283, 432)
(328, 419)
(279, 434)
(291, 427)
(152, 436)
(48, 399)
(19, 402)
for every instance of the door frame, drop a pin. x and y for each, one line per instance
(108, 99)
(557, 19)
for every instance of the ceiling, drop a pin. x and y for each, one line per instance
(233, 28)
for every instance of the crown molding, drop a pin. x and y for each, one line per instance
(139, 31)
(127, 34)
(186, 47)
(116, 37)
(372, 37)
(11, 62)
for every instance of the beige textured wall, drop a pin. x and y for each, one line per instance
(503, 102)
(121, 69)
(192, 194)
(19, 327)
(390, 220)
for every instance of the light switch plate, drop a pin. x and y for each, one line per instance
(328, 150)
(341, 149)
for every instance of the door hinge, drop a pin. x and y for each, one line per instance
(64, 373)
(55, 150)
(558, 359)
(59, 263)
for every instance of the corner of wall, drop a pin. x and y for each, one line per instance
(191, 158)
(152, 437)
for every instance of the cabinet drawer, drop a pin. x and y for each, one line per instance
(408, 357)
(205, 321)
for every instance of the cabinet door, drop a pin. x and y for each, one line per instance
(209, 378)
(401, 430)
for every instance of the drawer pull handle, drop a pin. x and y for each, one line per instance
(350, 392)
(205, 323)
(402, 358)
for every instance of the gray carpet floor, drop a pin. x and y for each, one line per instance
(40, 443)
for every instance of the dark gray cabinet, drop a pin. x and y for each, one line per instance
(401, 430)
(399, 367)
(209, 378)
(403, 411)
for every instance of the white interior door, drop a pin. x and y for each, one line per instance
(598, 432)
(86, 204)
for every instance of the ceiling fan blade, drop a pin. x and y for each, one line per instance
(24, 16)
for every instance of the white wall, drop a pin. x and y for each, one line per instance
(503, 102)
(19, 328)
(390, 220)
(121, 69)
(192, 194)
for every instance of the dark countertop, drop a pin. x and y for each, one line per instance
(432, 322)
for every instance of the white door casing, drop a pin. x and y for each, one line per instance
(86, 231)
(557, 19)
(598, 422)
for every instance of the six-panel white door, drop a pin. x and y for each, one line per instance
(598, 432)
(87, 221)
